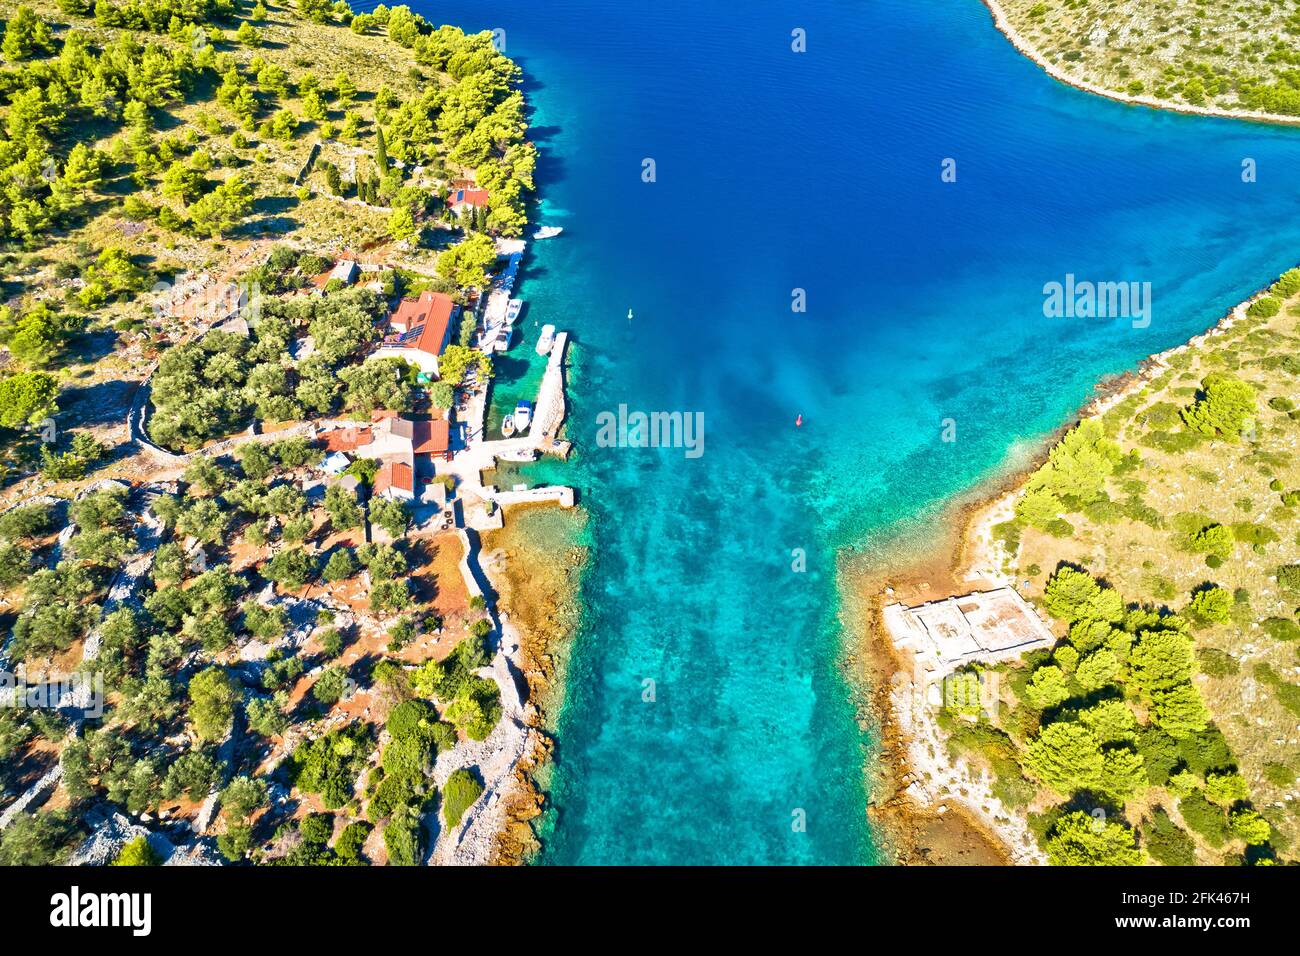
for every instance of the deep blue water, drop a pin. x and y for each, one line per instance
(821, 171)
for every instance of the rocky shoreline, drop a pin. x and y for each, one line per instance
(537, 580)
(1005, 27)
(929, 807)
(916, 824)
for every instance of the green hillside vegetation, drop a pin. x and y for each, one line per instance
(1162, 537)
(1232, 55)
(176, 684)
(147, 142)
(459, 794)
(198, 120)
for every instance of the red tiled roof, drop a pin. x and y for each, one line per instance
(468, 197)
(394, 474)
(432, 438)
(411, 312)
(431, 313)
(346, 439)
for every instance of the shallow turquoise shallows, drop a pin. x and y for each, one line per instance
(819, 171)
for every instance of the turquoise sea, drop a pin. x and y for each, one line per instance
(819, 171)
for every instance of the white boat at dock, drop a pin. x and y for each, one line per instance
(548, 232)
(505, 280)
(519, 454)
(523, 416)
(507, 426)
(513, 310)
(546, 340)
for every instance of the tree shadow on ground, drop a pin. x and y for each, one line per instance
(102, 403)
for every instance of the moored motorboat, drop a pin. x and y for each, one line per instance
(548, 232)
(520, 454)
(508, 426)
(546, 340)
(523, 416)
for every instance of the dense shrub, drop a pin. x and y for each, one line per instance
(1281, 628)
(458, 795)
(1205, 819)
(329, 765)
(1224, 410)
(1211, 605)
(1264, 308)
(1078, 839)
(1216, 663)
(1166, 841)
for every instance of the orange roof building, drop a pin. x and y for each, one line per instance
(458, 200)
(395, 479)
(432, 437)
(346, 439)
(396, 443)
(420, 330)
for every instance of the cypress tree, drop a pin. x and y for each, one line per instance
(381, 150)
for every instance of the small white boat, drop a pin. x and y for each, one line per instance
(546, 340)
(629, 315)
(512, 310)
(507, 426)
(521, 454)
(548, 232)
(523, 416)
